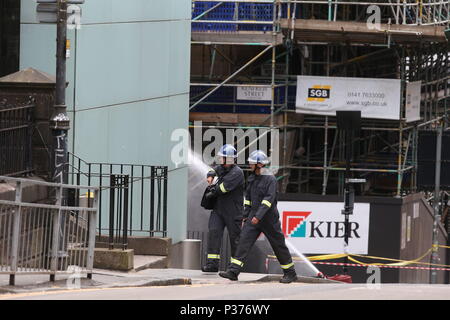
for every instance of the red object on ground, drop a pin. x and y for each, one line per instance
(341, 277)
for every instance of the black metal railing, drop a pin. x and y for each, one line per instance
(16, 126)
(132, 200)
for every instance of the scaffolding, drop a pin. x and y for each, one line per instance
(399, 12)
(265, 44)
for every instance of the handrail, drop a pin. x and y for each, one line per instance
(53, 239)
(47, 184)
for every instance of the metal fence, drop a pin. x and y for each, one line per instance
(46, 238)
(132, 201)
(16, 125)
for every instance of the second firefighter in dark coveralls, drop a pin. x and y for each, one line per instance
(229, 207)
(261, 215)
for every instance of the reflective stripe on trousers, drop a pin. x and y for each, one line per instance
(236, 261)
(287, 266)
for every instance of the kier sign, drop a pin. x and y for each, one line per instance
(318, 227)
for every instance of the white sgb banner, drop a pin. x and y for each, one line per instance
(375, 98)
(318, 227)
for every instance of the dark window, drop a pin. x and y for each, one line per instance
(9, 36)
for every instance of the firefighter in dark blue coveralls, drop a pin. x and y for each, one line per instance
(229, 207)
(261, 215)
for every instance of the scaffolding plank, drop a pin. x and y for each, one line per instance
(234, 118)
(239, 37)
(358, 32)
(249, 119)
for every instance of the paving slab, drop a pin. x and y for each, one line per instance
(199, 277)
(142, 262)
(145, 278)
(100, 279)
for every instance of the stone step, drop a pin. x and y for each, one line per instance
(141, 245)
(143, 262)
(126, 260)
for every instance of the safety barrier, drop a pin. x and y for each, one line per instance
(46, 238)
(380, 266)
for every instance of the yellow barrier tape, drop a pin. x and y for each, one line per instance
(327, 257)
(397, 262)
(362, 263)
(401, 263)
(441, 246)
(317, 258)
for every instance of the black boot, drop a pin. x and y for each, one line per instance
(229, 275)
(289, 276)
(210, 268)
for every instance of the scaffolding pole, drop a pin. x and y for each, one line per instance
(416, 62)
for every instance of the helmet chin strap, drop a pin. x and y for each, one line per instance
(256, 168)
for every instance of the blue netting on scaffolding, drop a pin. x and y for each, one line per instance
(256, 11)
(224, 100)
(234, 12)
(224, 12)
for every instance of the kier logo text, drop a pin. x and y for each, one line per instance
(296, 225)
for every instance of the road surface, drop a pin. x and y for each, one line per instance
(249, 291)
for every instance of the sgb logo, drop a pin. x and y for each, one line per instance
(319, 93)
